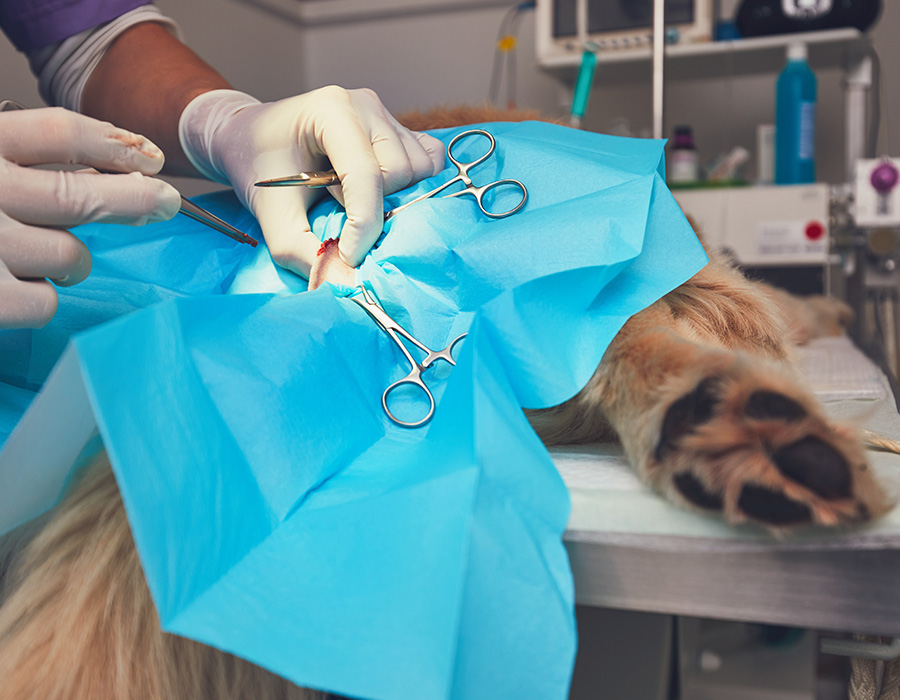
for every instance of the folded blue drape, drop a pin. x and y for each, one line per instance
(278, 514)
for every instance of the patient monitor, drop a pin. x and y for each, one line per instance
(615, 25)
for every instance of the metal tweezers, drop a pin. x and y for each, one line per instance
(188, 208)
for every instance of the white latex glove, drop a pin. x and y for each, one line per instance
(233, 138)
(37, 205)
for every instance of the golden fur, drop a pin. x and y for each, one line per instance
(697, 387)
(77, 621)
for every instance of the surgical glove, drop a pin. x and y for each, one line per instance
(233, 138)
(36, 205)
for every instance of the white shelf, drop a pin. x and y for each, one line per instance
(759, 54)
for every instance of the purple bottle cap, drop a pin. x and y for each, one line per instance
(884, 177)
(684, 137)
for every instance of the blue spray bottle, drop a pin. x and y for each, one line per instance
(795, 119)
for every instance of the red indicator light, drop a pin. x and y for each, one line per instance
(814, 230)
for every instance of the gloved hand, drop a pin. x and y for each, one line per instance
(37, 205)
(233, 138)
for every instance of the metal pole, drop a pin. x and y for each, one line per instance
(581, 23)
(659, 38)
(857, 83)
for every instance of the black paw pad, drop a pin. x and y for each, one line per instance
(769, 405)
(816, 465)
(693, 491)
(772, 507)
(686, 413)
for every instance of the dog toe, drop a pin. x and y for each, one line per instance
(686, 413)
(772, 507)
(816, 465)
(695, 493)
(771, 405)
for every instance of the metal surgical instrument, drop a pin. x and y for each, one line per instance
(188, 208)
(367, 300)
(197, 213)
(315, 179)
(328, 177)
(462, 175)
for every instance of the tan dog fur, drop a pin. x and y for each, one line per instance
(698, 384)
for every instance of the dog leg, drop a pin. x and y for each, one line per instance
(709, 413)
(78, 622)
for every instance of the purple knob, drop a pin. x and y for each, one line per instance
(884, 177)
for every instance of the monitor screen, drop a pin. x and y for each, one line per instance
(617, 15)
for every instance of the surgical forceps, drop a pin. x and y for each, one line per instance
(367, 300)
(197, 213)
(188, 208)
(328, 178)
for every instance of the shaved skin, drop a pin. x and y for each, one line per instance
(329, 267)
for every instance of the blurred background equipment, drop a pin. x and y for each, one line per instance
(763, 17)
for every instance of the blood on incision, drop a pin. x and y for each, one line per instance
(327, 259)
(326, 244)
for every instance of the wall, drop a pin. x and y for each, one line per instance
(422, 60)
(426, 60)
(256, 52)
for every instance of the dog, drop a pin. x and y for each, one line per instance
(698, 388)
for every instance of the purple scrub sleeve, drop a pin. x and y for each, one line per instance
(33, 24)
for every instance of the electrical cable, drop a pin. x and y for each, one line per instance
(506, 46)
(496, 72)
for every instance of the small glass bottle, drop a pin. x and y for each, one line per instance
(683, 161)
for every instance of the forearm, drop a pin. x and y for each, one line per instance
(144, 82)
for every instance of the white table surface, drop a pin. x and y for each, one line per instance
(630, 549)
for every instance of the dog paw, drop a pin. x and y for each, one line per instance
(754, 447)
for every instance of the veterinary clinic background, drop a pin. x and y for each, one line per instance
(784, 153)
